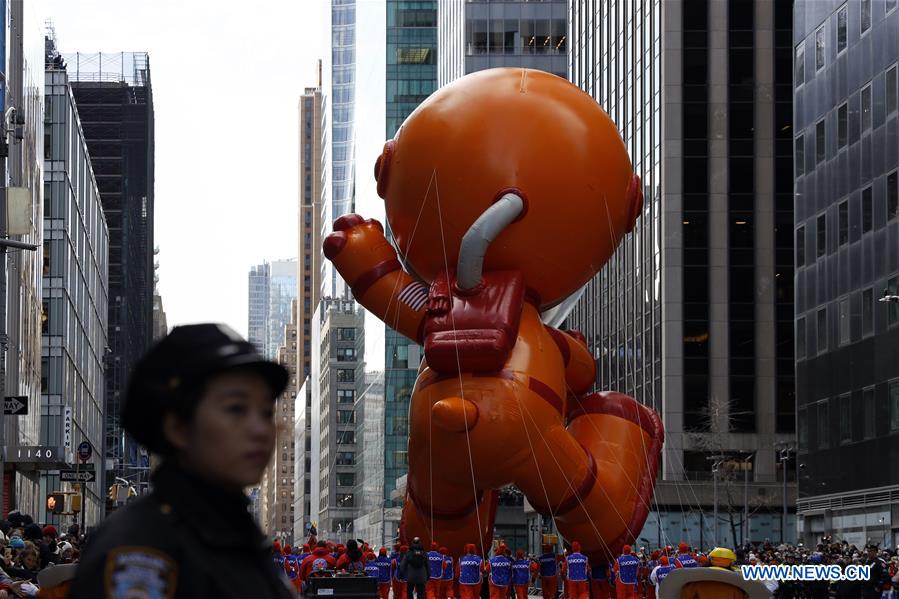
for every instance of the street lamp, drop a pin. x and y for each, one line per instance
(717, 461)
(784, 457)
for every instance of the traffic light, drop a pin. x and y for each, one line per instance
(56, 503)
(114, 492)
(76, 503)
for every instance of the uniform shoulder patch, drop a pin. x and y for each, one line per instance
(135, 572)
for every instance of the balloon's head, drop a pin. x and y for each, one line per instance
(513, 131)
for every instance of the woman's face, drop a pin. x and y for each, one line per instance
(232, 436)
(29, 560)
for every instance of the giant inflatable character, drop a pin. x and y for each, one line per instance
(505, 192)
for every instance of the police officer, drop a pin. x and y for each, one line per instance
(203, 399)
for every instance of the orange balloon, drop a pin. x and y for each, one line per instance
(502, 398)
(511, 129)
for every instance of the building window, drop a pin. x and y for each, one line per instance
(346, 375)
(866, 15)
(891, 5)
(867, 209)
(346, 458)
(842, 27)
(866, 108)
(346, 354)
(846, 419)
(346, 479)
(802, 433)
(891, 90)
(800, 246)
(843, 223)
(800, 64)
(345, 500)
(800, 338)
(800, 155)
(842, 125)
(867, 312)
(870, 411)
(819, 49)
(346, 334)
(894, 406)
(821, 234)
(892, 195)
(822, 330)
(346, 395)
(823, 424)
(820, 139)
(893, 307)
(346, 437)
(844, 321)
(346, 417)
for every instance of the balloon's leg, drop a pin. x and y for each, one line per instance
(452, 529)
(624, 440)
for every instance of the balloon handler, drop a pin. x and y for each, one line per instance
(505, 193)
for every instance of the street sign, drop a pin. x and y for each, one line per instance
(84, 451)
(16, 405)
(78, 476)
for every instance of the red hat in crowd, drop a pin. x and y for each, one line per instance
(404, 548)
(576, 546)
(664, 560)
(502, 549)
(519, 554)
(443, 550)
(341, 549)
(434, 546)
(276, 546)
(683, 548)
(50, 531)
(470, 548)
(654, 554)
(382, 551)
(626, 550)
(287, 549)
(306, 548)
(369, 556)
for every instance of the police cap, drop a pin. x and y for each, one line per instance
(170, 375)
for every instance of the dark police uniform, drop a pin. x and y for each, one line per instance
(189, 538)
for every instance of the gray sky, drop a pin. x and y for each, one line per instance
(226, 81)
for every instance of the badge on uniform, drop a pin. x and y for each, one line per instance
(140, 573)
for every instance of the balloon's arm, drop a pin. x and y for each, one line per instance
(580, 369)
(368, 263)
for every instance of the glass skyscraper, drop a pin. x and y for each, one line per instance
(411, 78)
(846, 143)
(691, 316)
(338, 131)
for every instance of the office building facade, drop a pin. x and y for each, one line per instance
(114, 97)
(20, 360)
(309, 263)
(846, 141)
(75, 290)
(695, 306)
(339, 68)
(282, 293)
(258, 306)
(337, 375)
(278, 481)
(480, 34)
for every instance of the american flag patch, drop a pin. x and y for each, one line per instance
(414, 295)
